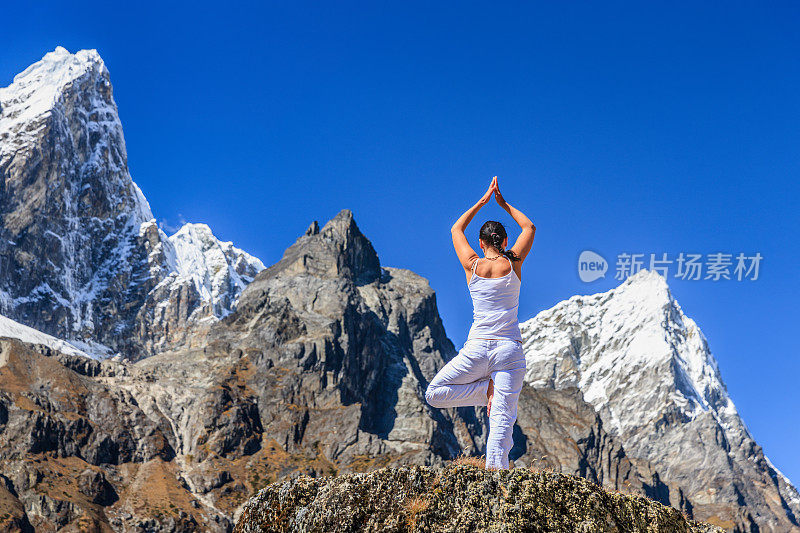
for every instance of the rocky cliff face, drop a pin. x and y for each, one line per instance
(647, 370)
(70, 213)
(80, 255)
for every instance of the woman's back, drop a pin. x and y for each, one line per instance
(495, 268)
(495, 305)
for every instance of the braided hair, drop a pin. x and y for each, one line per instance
(493, 233)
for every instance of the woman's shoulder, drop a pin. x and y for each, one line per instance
(516, 266)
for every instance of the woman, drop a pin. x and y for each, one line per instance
(490, 367)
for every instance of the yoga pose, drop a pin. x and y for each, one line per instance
(489, 369)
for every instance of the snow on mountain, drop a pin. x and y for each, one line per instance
(70, 211)
(81, 256)
(28, 107)
(626, 334)
(15, 330)
(218, 270)
(648, 371)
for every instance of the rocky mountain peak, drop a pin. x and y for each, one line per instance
(631, 350)
(646, 282)
(60, 112)
(359, 261)
(338, 250)
(80, 254)
(69, 212)
(37, 90)
(313, 228)
(643, 296)
(218, 270)
(648, 371)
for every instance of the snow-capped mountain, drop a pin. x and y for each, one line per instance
(81, 257)
(218, 270)
(648, 371)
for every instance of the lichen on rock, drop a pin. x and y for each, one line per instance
(459, 497)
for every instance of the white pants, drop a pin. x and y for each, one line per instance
(464, 381)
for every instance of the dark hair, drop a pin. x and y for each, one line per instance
(493, 233)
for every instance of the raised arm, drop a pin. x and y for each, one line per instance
(525, 239)
(466, 255)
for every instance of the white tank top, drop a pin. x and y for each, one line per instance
(495, 303)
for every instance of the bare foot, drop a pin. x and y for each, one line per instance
(490, 395)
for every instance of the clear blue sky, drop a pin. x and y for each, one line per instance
(616, 127)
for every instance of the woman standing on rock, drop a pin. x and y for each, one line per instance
(489, 369)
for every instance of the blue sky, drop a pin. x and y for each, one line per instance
(615, 127)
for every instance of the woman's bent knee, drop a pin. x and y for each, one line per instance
(430, 396)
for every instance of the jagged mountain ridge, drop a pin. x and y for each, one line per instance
(81, 257)
(320, 369)
(648, 371)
